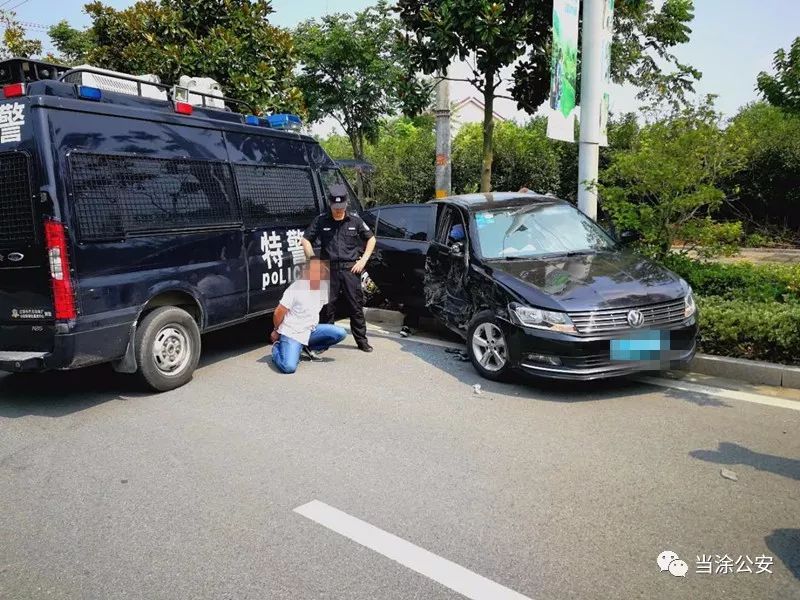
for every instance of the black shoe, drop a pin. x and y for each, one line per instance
(309, 354)
(365, 347)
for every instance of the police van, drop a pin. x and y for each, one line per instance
(134, 217)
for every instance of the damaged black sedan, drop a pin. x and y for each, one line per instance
(533, 285)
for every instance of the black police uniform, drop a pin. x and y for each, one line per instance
(342, 245)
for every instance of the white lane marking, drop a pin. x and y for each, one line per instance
(448, 573)
(722, 392)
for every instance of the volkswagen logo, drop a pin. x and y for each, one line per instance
(635, 318)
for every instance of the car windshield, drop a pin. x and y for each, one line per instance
(537, 230)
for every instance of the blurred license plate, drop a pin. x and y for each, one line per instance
(642, 345)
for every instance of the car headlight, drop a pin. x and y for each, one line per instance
(689, 307)
(527, 316)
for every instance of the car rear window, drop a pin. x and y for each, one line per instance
(16, 208)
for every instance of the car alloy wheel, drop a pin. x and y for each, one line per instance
(489, 347)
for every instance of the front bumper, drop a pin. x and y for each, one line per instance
(587, 358)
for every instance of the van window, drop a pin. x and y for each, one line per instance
(274, 194)
(119, 195)
(16, 209)
(409, 222)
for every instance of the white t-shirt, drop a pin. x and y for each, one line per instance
(303, 305)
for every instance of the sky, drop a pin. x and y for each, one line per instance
(732, 40)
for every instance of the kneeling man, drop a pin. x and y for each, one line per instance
(296, 319)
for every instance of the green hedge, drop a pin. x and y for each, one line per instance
(746, 311)
(739, 281)
(756, 330)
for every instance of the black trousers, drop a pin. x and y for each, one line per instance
(347, 286)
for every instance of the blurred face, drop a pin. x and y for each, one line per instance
(316, 271)
(338, 213)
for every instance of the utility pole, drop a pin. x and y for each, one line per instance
(442, 136)
(591, 97)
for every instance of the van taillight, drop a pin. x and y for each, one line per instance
(63, 298)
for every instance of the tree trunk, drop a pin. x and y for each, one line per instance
(488, 133)
(357, 142)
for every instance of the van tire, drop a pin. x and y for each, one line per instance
(487, 323)
(167, 348)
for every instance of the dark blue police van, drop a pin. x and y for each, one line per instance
(129, 225)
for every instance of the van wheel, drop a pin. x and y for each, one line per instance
(487, 346)
(167, 348)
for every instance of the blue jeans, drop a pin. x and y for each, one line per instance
(286, 351)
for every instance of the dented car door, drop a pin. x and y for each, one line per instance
(447, 270)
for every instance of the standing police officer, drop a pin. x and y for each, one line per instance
(342, 235)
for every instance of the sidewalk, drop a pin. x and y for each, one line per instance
(759, 256)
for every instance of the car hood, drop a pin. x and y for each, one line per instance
(590, 281)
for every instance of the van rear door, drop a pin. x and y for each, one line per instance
(26, 305)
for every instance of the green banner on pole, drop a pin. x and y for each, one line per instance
(563, 71)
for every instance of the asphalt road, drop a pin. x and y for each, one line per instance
(548, 490)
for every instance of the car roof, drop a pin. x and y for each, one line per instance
(475, 202)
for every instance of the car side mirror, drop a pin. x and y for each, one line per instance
(627, 237)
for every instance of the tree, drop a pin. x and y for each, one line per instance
(72, 44)
(231, 41)
(403, 157)
(766, 188)
(498, 34)
(783, 88)
(672, 177)
(14, 42)
(355, 70)
(523, 157)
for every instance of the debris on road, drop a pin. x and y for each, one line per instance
(476, 389)
(728, 474)
(405, 331)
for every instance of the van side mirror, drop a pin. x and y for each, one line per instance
(627, 237)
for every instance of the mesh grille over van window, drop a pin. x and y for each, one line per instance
(118, 195)
(16, 208)
(272, 194)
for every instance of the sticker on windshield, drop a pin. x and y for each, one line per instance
(12, 118)
(482, 219)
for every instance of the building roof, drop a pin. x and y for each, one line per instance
(477, 102)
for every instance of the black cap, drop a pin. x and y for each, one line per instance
(337, 195)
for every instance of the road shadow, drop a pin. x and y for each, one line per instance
(519, 385)
(696, 398)
(733, 454)
(785, 544)
(60, 393)
(232, 341)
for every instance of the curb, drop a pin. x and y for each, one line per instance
(748, 371)
(751, 371)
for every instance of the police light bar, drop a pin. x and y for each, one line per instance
(252, 120)
(15, 90)
(285, 121)
(89, 93)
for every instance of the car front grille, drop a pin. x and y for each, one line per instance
(611, 320)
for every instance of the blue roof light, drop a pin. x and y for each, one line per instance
(285, 121)
(89, 93)
(252, 120)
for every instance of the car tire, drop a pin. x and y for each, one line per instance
(167, 348)
(487, 347)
